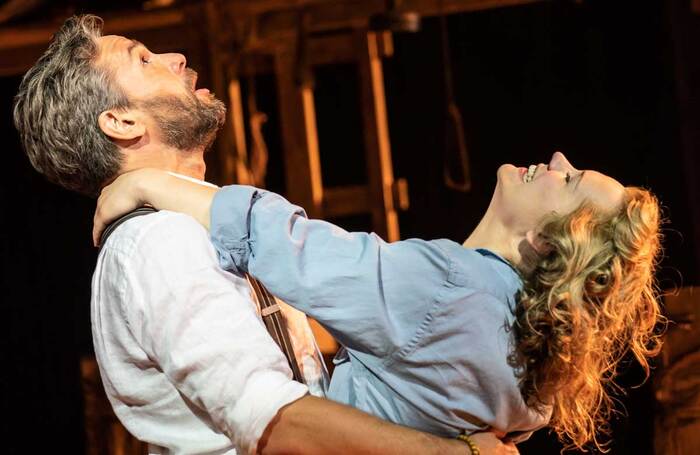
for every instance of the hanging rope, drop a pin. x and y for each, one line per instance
(456, 171)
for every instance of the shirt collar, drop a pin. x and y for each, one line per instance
(192, 179)
(485, 252)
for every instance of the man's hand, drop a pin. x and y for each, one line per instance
(489, 444)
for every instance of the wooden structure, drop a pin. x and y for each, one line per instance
(677, 384)
(227, 40)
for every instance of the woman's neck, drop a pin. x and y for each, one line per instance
(493, 235)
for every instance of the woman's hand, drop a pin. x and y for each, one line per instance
(488, 443)
(154, 187)
(122, 196)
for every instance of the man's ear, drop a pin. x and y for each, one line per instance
(121, 125)
(538, 243)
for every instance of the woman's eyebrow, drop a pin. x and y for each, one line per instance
(580, 177)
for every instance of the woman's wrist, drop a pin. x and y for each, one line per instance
(469, 442)
(165, 191)
(152, 187)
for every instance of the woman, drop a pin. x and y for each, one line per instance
(520, 327)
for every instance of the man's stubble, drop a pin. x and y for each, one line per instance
(186, 122)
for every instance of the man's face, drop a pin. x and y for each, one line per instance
(163, 87)
(556, 187)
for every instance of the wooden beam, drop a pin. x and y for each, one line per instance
(376, 132)
(235, 161)
(278, 21)
(276, 16)
(40, 34)
(225, 172)
(299, 135)
(275, 20)
(21, 46)
(331, 49)
(339, 201)
(347, 7)
(323, 50)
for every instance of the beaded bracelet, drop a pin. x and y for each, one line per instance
(468, 441)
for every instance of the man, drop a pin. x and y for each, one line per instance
(185, 360)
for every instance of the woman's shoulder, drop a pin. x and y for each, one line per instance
(469, 271)
(482, 271)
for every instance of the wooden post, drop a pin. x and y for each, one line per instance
(237, 120)
(677, 380)
(218, 52)
(299, 136)
(377, 145)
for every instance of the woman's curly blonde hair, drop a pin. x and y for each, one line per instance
(586, 303)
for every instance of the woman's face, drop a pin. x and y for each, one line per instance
(522, 202)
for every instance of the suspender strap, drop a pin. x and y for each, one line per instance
(269, 309)
(116, 223)
(276, 326)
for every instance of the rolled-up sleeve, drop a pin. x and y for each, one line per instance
(203, 332)
(371, 295)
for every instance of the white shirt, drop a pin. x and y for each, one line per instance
(185, 359)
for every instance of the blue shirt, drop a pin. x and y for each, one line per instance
(424, 325)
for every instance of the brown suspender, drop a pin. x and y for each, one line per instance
(272, 317)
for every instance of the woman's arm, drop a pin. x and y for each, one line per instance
(371, 295)
(154, 187)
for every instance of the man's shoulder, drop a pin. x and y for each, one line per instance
(161, 233)
(157, 227)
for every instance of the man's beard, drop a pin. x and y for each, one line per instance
(186, 122)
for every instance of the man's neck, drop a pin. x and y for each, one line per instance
(189, 163)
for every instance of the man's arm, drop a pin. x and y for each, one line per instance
(312, 426)
(201, 329)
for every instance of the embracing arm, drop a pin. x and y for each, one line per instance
(371, 295)
(154, 187)
(312, 425)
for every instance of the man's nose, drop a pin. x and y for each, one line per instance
(176, 62)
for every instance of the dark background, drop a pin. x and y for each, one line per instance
(612, 84)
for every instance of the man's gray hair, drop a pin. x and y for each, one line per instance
(57, 108)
